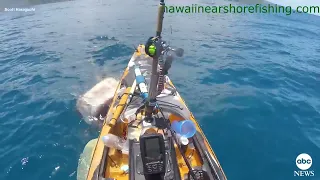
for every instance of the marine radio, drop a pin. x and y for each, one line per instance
(152, 150)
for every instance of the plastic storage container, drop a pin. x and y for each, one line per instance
(129, 116)
(185, 128)
(116, 142)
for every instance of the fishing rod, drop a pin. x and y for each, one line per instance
(156, 48)
(160, 17)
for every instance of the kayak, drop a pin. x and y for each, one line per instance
(149, 132)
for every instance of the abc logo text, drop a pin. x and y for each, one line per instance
(304, 163)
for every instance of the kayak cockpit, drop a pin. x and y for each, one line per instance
(116, 164)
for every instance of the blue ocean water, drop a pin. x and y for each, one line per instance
(251, 80)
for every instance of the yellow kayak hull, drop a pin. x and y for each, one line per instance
(109, 164)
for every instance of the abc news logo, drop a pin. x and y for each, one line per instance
(304, 162)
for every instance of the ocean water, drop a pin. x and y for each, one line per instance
(251, 80)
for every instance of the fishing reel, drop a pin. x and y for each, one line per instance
(155, 47)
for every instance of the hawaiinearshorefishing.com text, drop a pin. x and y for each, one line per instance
(257, 8)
